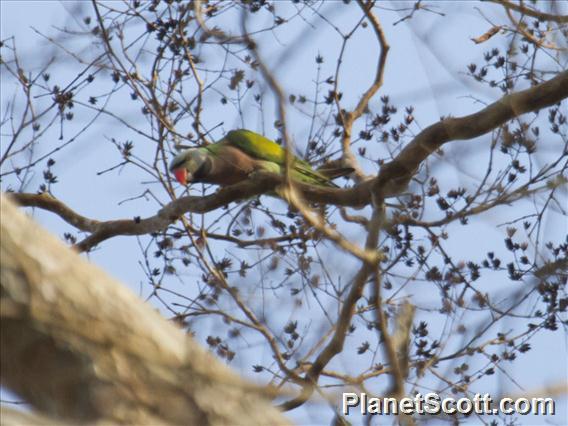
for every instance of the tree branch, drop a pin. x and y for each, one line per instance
(349, 118)
(79, 346)
(391, 180)
(394, 175)
(346, 313)
(561, 19)
(259, 183)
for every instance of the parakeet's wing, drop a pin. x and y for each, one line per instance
(256, 146)
(264, 149)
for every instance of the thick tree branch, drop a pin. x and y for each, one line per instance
(12, 417)
(79, 346)
(399, 171)
(391, 180)
(260, 183)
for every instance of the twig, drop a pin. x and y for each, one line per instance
(562, 19)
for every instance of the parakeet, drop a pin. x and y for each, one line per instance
(240, 153)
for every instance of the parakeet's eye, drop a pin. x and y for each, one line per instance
(176, 163)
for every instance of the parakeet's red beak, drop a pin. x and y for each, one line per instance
(181, 175)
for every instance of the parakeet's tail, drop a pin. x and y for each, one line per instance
(335, 172)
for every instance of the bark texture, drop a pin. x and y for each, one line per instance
(80, 347)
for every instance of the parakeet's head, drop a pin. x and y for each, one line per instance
(190, 165)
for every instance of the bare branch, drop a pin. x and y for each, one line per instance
(335, 345)
(349, 118)
(392, 179)
(260, 183)
(562, 19)
(402, 168)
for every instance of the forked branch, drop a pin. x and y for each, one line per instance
(391, 180)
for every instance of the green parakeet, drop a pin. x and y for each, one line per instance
(240, 153)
